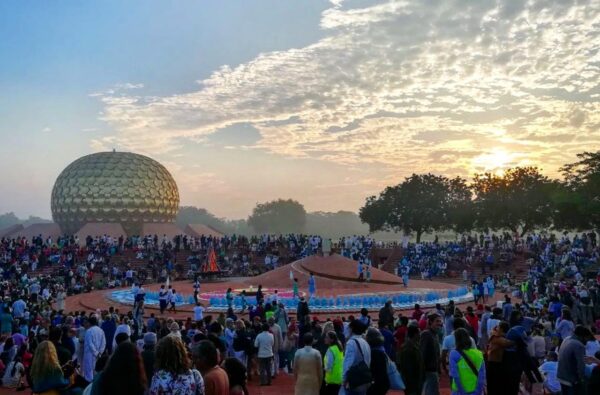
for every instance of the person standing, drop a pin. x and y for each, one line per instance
(198, 312)
(296, 292)
(430, 352)
(467, 368)
(496, 367)
(571, 364)
(149, 354)
(379, 363)
(386, 314)
(410, 362)
(312, 286)
(205, 358)
(277, 345)
(264, 342)
(196, 289)
(162, 299)
(357, 350)
(333, 364)
(61, 296)
(308, 368)
(94, 344)
(174, 373)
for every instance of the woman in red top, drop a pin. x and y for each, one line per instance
(473, 321)
(400, 333)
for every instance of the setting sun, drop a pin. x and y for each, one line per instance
(495, 161)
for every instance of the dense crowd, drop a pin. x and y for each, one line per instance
(540, 332)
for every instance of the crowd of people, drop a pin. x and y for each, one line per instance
(436, 259)
(540, 332)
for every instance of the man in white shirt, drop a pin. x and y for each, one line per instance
(449, 342)
(19, 307)
(548, 369)
(198, 312)
(265, 342)
(93, 346)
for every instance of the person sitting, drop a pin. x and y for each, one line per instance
(14, 374)
(46, 372)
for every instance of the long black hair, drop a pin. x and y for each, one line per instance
(124, 373)
(333, 337)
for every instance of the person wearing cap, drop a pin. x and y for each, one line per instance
(149, 353)
(123, 327)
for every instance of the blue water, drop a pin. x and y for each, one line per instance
(126, 296)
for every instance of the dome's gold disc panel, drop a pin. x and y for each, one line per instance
(121, 187)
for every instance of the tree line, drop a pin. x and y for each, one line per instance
(520, 199)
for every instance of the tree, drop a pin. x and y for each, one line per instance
(519, 199)
(461, 214)
(8, 219)
(578, 203)
(195, 215)
(278, 216)
(422, 203)
(335, 225)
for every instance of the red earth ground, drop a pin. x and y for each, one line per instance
(335, 276)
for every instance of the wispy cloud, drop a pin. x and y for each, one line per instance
(396, 81)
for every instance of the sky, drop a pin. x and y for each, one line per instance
(326, 102)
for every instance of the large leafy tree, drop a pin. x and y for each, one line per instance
(335, 225)
(460, 208)
(278, 216)
(578, 203)
(195, 215)
(519, 199)
(422, 203)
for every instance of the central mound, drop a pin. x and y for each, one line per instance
(337, 267)
(331, 271)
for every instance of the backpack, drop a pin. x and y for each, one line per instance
(240, 342)
(359, 374)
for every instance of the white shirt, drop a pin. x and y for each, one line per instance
(549, 369)
(264, 342)
(592, 347)
(198, 313)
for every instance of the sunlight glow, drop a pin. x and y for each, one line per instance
(495, 161)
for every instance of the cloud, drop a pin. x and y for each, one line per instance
(47, 129)
(395, 82)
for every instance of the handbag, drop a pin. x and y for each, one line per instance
(394, 376)
(359, 374)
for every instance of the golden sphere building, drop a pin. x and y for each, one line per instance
(114, 187)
